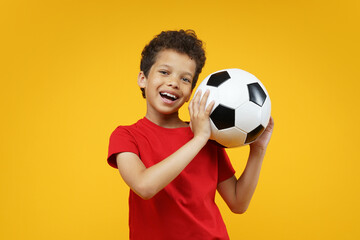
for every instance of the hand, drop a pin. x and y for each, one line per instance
(199, 115)
(264, 139)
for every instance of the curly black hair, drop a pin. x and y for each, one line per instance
(182, 41)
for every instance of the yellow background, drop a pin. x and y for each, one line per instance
(68, 75)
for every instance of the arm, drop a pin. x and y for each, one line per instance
(237, 193)
(147, 182)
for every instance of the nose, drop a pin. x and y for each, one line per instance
(173, 82)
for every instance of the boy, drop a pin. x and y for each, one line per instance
(171, 167)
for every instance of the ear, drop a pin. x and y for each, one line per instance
(142, 79)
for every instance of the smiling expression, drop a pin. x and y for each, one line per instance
(169, 82)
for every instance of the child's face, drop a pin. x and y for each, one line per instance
(168, 85)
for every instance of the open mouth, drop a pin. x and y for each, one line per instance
(168, 96)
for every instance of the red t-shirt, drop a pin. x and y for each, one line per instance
(185, 208)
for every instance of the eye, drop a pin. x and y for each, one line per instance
(163, 72)
(186, 79)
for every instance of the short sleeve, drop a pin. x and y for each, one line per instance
(225, 168)
(121, 140)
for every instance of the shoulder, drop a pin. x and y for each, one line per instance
(141, 131)
(127, 129)
(120, 133)
(125, 134)
(123, 139)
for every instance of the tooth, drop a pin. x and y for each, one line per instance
(169, 95)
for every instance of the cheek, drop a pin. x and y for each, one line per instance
(189, 92)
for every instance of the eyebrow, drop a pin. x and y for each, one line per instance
(168, 66)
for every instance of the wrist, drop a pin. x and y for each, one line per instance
(200, 139)
(256, 149)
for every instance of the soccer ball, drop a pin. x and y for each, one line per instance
(242, 107)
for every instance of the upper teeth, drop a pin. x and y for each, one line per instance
(169, 95)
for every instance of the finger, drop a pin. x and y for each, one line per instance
(190, 107)
(271, 121)
(209, 107)
(191, 104)
(204, 99)
(270, 125)
(196, 100)
(197, 96)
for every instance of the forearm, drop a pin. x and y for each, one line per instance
(246, 184)
(155, 178)
(237, 193)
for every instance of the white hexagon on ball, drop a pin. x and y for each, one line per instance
(226, 138)
(233, 94)
(248, 117)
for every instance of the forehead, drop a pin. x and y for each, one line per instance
(174, 59)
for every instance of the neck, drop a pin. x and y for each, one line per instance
(167, 120)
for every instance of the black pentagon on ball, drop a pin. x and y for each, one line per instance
(257, 94)
(217, 79)
(251, 136)
(223, 117)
